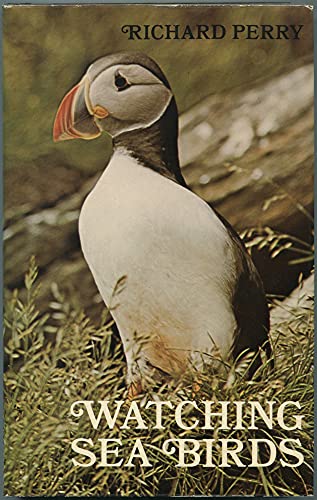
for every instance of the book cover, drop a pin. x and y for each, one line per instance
(158, 250)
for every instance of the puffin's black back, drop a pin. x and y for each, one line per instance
(249, 305)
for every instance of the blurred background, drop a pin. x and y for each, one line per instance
(258, 177)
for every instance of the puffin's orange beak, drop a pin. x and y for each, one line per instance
(73, 119)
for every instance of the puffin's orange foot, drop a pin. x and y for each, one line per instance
(135, 389)
(196, 386)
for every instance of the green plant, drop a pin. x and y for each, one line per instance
(58, 358)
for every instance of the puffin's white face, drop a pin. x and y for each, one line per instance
(116, 99)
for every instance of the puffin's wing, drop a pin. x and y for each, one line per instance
(249, 303)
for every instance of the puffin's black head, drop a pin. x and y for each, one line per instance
(119, 93)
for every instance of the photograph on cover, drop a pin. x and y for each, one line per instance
(158, 250)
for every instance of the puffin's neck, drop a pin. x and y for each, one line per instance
(155, 147)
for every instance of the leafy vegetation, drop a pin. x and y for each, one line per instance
(58, 358)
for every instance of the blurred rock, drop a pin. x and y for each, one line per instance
(269, 183)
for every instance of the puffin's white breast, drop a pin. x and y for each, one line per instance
(175, 253)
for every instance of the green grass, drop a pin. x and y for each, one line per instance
(58, 358)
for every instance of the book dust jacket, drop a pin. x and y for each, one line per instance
(158, 250)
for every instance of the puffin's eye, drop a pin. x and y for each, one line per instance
(121, 82)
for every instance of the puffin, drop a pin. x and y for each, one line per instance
(176, 277)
